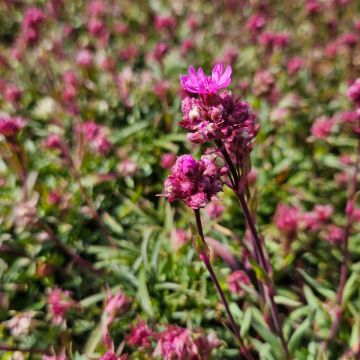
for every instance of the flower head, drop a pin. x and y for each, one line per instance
(11, 126)
(176, 343)
(140, 335)
(200, 83)
(194, 181)
(287, 219)
(353, 92)
(114, 304)
(59, 302)
(236, 281)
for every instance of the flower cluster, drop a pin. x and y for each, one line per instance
(195, 181)
(96, 136)
(176, 343)
(11, 126)
(59, 302)
(210, 115)
(236, 280)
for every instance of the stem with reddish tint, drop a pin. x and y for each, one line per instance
(207, 263)
(258, 248)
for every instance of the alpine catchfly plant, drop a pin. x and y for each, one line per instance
(228, 124)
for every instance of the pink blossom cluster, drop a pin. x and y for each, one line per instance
(59, 302)
(318, 217)
(140, 335)
(197, 82)
(256, 23)
(30, 26)
(10, 92)
(114, 304)
(176, 343)
(194, 181)
(11, 126)
(96, 135)
(212, 115)
(287, 219)
(96, 24)
(322, 127)
(353, 92)
(275, 40)
(236, 280)
(173, 343)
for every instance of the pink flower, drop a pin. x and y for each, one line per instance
(322, 127)
(96, 8)
(140, 335)
(33, 17)
(294, 65)
(114, 304)
(11, 126)
(194, 182)
(127, 167)
(286, 219)
(321, 214)
(348, 39)
(168, 160)
(165, 23)
(256, 23)
(313, 7)
(176, 343)
(224, 117)
(214, 209)
(236, 281)
(96, 135)
(274, 40)
(59, 302)
(53, 141)
(353, 92)
(334, 235)
(84, 58)
(179, 237)
(160, 51)
(199, 83)
(12, 93)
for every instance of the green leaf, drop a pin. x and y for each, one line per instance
(283, 300)
(300, 332)
(246, 323)
(259, 271)
(144, 295)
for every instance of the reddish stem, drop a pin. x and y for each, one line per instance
(205, 258)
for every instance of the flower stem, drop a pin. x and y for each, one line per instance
(205, 258)
(258, 250)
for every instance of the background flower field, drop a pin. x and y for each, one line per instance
(93, 262)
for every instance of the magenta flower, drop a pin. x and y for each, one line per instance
(353, 92)
(322, 127)
(334, 235)
(168, 160)
(115, 304)
(59, 302)
(286, 219)
(199, 83)
(140, 335)
(176, 343)
(236, 281)
(194, 181)
(11, 126)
